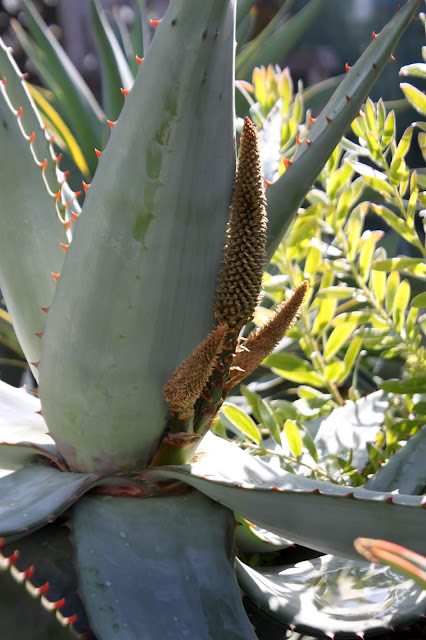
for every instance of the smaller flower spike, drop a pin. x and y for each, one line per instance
(264, 340)
(186, 384)
(240, 279)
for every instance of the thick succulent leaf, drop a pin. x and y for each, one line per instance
(286, 195)
(179, 554)
(35, 495)
(276, 40)
(30, 230)
(331, 595)
(23, 432)
(153, 224)
(115, 71)
(77, 103)
(406, 470)
(37, 576)
(319, 515)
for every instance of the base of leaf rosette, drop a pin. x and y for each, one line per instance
(158, 568)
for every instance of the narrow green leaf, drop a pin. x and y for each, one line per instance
(417, 266)
(392, 285)
(415, 97)
(334, 371)
(366, 254)
(252, 399)
(419, 301)
(350, 357)
(389, 129)
(340, 292)
(404, 143)
(396, 223)
(291, 367)
(400, 304)
(294, 438)
(324, 316)
(415, 384)
(239, 422)
(269, 419)
(337, 338)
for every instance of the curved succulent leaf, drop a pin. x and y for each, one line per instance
(334, 595)
(286, 195)
(153, 221)
(30, 230)
(77, 103)
(115, 70)
(37, 576)
(406, 470)
(299, 508)
(35, 495)
(183, 581)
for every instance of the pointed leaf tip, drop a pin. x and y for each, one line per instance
(139, 60)
(98, 153)
(124, 91)
(111, 123)
(155, 23)
(347, 67)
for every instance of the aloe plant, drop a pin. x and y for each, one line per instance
(112, 308)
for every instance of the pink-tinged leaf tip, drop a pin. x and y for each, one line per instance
(347, 98)
(111, 123)
(39, 412)
(124, 91)
(392, 58)
(55, 276)
(98, 153)
(13, 558)
(155, 23)
(347, 67)
(64, 246)
(139, 60)
(45, 309)
(308, 142)
(39, 335)
(71, 619)
(85, 186)
(35, 364)
(35, 390)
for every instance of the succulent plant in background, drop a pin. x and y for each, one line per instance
(112, 308)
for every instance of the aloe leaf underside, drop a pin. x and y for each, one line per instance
(183, 581)
(143, 228)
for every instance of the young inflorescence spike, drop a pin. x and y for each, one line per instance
(240, 279)
(185, 385)
(264, 340)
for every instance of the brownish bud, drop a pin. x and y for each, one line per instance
(240, 280)
(264, 340)
(186, 384)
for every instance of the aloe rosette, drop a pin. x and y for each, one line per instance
(119, 315)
